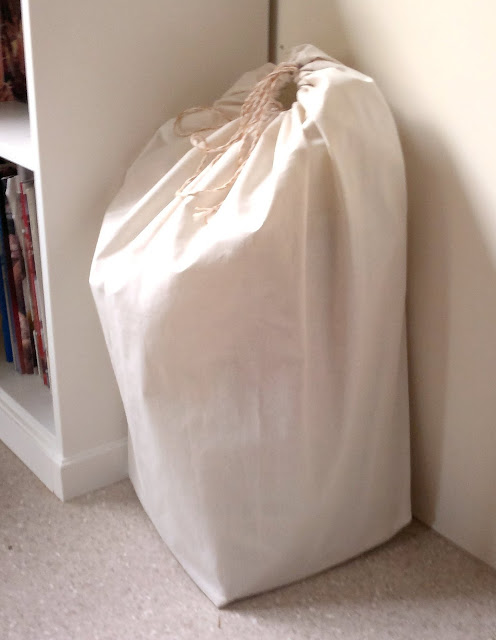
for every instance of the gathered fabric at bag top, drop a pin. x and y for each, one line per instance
(250, 281)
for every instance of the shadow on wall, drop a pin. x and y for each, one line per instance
(428, 303)
(301, 22)
(452, 348)
(451, 304)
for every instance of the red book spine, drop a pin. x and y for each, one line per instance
(28, 243)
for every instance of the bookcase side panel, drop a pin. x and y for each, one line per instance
(104, 79)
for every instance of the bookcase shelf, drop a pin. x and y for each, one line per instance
(26, 398)
(15, 134)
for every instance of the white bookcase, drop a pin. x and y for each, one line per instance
(102, 75)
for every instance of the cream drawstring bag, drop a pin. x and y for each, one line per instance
(250, 281)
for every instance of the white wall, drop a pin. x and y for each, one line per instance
(436, 62)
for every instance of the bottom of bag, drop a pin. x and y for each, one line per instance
(222, 600)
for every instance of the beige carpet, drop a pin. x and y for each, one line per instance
(95, 569)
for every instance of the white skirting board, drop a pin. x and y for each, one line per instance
(70, 476)
(93, 469)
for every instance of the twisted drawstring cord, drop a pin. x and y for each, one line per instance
(259, 109)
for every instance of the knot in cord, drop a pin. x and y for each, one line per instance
(260, 107)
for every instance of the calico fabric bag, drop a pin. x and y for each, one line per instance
(250, 281)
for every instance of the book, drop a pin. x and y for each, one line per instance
(14, 196)
(23, 314)
(10, 289)
(4, 313)
(24, 341)
(12, 65)
(5, 304)
(32, 279)
(28, 187)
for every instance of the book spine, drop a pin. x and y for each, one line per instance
(16, 334)
(6, 311)
(6, 169)
(31, 268)
(16, 242)
(33, 221)
(6, 324)
(35, 342)
(13, 73)
(19, 268)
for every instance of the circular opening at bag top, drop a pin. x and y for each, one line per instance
(287, 94)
